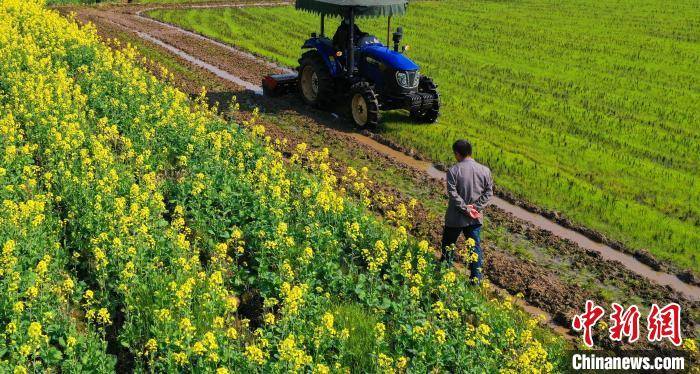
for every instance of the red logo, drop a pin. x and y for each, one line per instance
(662, 323)
(587, 320)
(624, 323)
(665, 323)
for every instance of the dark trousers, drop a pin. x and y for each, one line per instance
(450, 236)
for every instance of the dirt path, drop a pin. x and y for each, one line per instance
(542, 287)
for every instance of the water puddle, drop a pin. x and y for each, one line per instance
(665, 279)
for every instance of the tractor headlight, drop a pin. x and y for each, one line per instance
(407, 79)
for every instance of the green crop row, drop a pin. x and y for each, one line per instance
(586, 108)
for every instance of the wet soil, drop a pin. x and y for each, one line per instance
(546, 288)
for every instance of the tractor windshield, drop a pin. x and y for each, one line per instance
(368, 40)
(341, 36)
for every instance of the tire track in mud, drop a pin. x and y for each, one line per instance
(540, 286)
(216, 71)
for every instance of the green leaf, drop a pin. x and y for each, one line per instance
(54, 355)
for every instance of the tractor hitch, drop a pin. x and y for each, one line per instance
(279, 84)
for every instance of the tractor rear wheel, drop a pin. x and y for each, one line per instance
(315, 81)
(429, 115)
(364, 106)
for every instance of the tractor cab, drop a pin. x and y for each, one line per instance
(355, 68)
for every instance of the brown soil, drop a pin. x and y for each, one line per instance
(545, 288)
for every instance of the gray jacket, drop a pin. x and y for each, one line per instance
(468, 182)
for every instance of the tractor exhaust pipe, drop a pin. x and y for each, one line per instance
(351, 52)
(398, 35)
(323, 25)
(388, 31)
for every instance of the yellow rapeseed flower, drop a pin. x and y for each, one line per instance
(328, 322)
(232, 333)
(34, 331)
(180, 358)
(198, 348)
(255, 354)
(18, 307)
(103, 316)
(11, 328)
(292, 354)
(379, 330)
(440, 336)
(150, 346)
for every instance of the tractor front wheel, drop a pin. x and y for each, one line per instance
(364, 106)
(430, 114)
(315, 82)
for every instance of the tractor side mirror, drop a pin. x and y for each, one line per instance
(398, 35)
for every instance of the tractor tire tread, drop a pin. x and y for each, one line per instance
(426, 85)
(373, 112)
(325, 81)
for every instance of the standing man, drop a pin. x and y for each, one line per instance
(469, 187)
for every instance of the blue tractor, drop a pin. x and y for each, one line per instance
(356, 69)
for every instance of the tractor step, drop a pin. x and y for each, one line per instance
(279, 84)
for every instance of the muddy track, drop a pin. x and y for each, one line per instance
(542, 287)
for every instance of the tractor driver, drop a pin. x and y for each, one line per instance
(342, 34)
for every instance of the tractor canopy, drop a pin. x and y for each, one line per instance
(361, 8)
